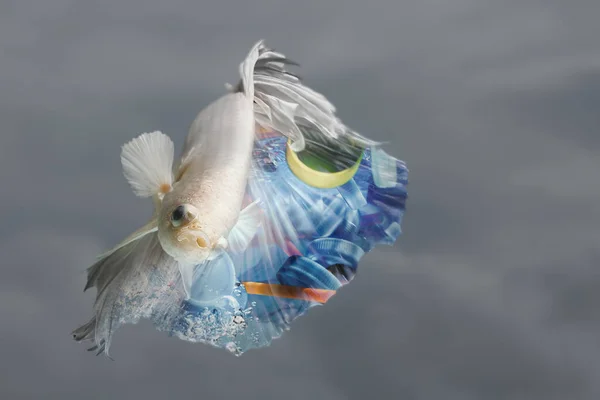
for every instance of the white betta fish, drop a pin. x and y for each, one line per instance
(267, 213)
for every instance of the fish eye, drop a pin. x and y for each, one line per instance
(177, 216)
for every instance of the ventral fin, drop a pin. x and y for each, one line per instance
(150, 227)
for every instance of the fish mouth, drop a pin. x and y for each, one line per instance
(192, 233)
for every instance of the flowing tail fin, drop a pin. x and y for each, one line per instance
(284, 104)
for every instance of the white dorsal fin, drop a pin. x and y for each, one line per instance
(147, 163)
(247, 70)
(245, 228)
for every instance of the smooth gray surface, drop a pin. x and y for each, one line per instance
(492, 293)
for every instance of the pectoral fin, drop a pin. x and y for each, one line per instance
(147, 164)
(222, 243)
(245, 229)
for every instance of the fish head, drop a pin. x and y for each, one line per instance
(181, 234)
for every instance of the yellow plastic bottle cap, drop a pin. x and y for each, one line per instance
(319, 179)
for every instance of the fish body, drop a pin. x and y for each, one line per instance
(267, 213)
(217, 159)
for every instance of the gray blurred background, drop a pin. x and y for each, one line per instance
(493, 291)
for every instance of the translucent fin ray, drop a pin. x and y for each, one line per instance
(147, 163)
